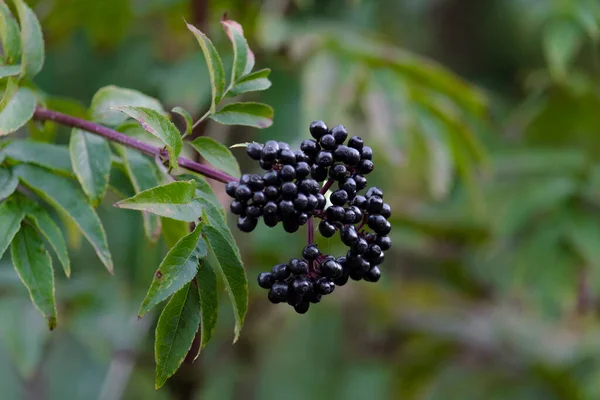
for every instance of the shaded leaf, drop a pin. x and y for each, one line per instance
(253, 82)
(11, 216)
(70, 200)
(109, 97)
(17, 111)
(34, 266)
(174, 200)
(209, 302)
(257, 115)
(173, 230)
(240, 48)
(42, 221)
(562, 40)
(215, 66)
(224, 257)
(175, 332)
(217, 154)
(215, 215)
(159, 126)
(51, 156)
(189, 122)
(177, 268)
(10, 36)
(91, 159)
(143, 176)
(203, 188)
(8, 183)
(32, 40)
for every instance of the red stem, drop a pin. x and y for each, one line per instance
(117, 137)
(326, 187)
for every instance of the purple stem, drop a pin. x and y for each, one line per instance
(326, 187)
(117, 137)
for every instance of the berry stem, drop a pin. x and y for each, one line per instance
(42, 114)
(362, 223)
(327, 185)
(310, 231)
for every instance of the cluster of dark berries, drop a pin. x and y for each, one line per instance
(284, 193)
(290, 192)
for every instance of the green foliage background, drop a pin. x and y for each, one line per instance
(491, 289)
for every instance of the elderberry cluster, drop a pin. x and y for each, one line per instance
(290, 192)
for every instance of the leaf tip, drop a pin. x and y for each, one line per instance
(51, 323)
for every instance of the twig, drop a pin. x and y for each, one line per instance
(117, 137)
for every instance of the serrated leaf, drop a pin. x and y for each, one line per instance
(189, 122)
(8, 183)
(240, 48)
(214, 214)
(51, 156)
(175, 332)
(203, 188)
(62, 194)
(159, 126)
(109, 97)
(42, 221)
(32, 40)
(10, 36)
(17, 111)
(91, 159)
(257, 115)
(34, 266)
(173, 230)
(215, 66)
(143, 175)
(562, 40)
(177, 269)
(209, 302)
(174, 200)
(217, 154)
(9, 70)
(224, 257)
(11, 216)
(253, 82)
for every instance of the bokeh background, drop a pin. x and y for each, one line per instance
(485, 119)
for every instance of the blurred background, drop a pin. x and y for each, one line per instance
(485, 120)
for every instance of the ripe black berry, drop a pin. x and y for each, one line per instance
(302, 170)
(325, 286)
(237, 207)
(254, 151)
(338, 172)
(253, 211)
(335, 213)
(365, 167)
(320, 201)
(280, 290)
(360, 202)
(231, 187)
(243, 193)
(308, 186)
(331, 269)
(266, 165)
(302, 218)
(290, 225)
(360, 246)
(287, 173)
(374, 205)
(384, 242)
(271, 178)
(350, 217)
(349, 185)
(310, 252)
(247, 223)
(301, 156)
(327, 142)
(265, 280)
(259, 198)
(301, 285)
(339, 197)
(317, 129)
(310, 147)
(280, 272)
(256, 183)
(319, 174)
(326, 229)
(287, 157)
(270, 208)
(298, 267)
(366, 153)
(324, 159)
(373, 253)
(372, 275)
(374, 191)
(349, 235)
(301, 202)
(356, 142)
(289, 190)
(379, 224)
(340, 133)
(302, 307)
(286, 207)
(386, 211)
(272, 192)
(361, 181)
(269, 151)
(352, 156)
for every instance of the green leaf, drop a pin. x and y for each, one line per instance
(62, 194)
(175, 332)
(203, 188)
(143, 176)
(214, 213)
(253, 82)
(17, 111)
(10, 36)
(34, 266)
(11, 216)
(209, 302)
(189, 122)
(174, 200)
(177, 268)
(32, 40)
(223, 256)
(562, 40)
(8, 183)
(9, 70)
(240, 48)
(217, 155)
(109, 97)
(51, 156)
(159, 126)
(257, 115)
(173, 230)
(42, 221)
(215, 66)
(91, 158)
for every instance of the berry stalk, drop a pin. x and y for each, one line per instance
(41, 114)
